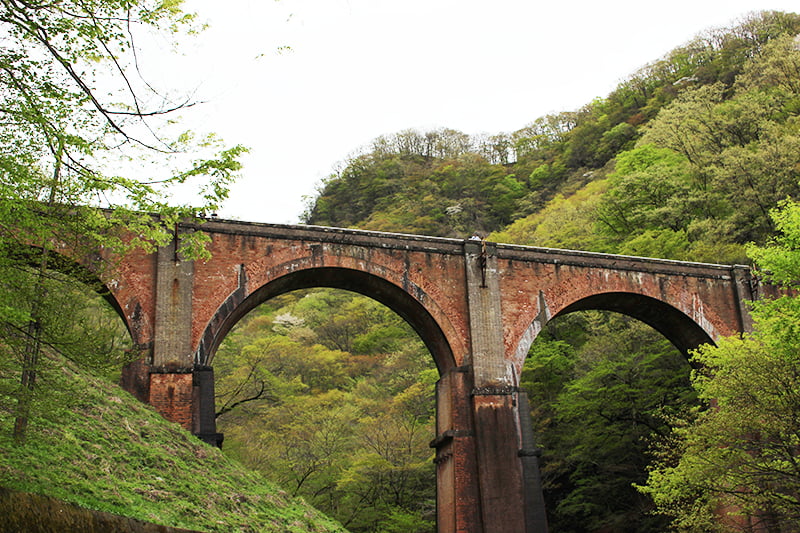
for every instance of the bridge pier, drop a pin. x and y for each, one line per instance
(183, 396)
(458, 501)
(535, 516)
(204, 421)
(485, 481)
(168, 379)
(494, 404)
(499, 464)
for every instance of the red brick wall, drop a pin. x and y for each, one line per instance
(171, 395)
(436, 279)
(431, 270)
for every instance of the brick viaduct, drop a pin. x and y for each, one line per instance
(477, 305)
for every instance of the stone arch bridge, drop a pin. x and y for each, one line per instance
(477, 305)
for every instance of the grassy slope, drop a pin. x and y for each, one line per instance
(100, 448)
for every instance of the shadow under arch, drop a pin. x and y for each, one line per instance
(607, 401)
(370, 285)
(68, 266)
(683, 332)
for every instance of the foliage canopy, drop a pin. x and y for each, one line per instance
(331, 397)
(739, 456)
(78, 123)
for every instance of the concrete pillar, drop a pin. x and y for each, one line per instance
(494, 398)
(535, 516)
(171, 387)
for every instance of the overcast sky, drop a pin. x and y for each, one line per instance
(358, 69)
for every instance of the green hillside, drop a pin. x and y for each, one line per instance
(683, 160)
(689, 158)
(98, 447)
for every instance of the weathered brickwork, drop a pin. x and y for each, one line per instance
(538, 285)
(171, 395)
(132, 283)
(477, 306)
(245, 264)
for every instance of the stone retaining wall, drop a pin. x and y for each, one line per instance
(31, 513)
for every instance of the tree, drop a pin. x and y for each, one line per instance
(735, 464)
(648, 190)
(562, 223)
(740, 143)
(597, 383)
(78, 123)
(76, 329)
(347, 430)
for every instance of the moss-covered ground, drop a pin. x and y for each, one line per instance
(94, 445)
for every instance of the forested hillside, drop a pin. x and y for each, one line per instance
(335, 403)
(686, 159)
(683, 159)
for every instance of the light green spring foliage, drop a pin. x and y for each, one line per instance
(728, 155)
(330, 395)
(78, 131)
(76, 325)
(599, 385)
(780, 261)
(702, 178)
(565, 222)
(78, 125)
(739, 456)
(698, 179)
(91, 444)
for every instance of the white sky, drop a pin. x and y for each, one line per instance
(363, 68)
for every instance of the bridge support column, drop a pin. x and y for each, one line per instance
(745, 291)
(180, 391)
(171, 380)
(494, 399)
(457, 494)
(535, 517)
(172, 345)
(204, 422)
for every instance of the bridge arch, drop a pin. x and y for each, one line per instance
(615, 370)
(680, 329)
(85, 272)
(398, 299)
(675, 325)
